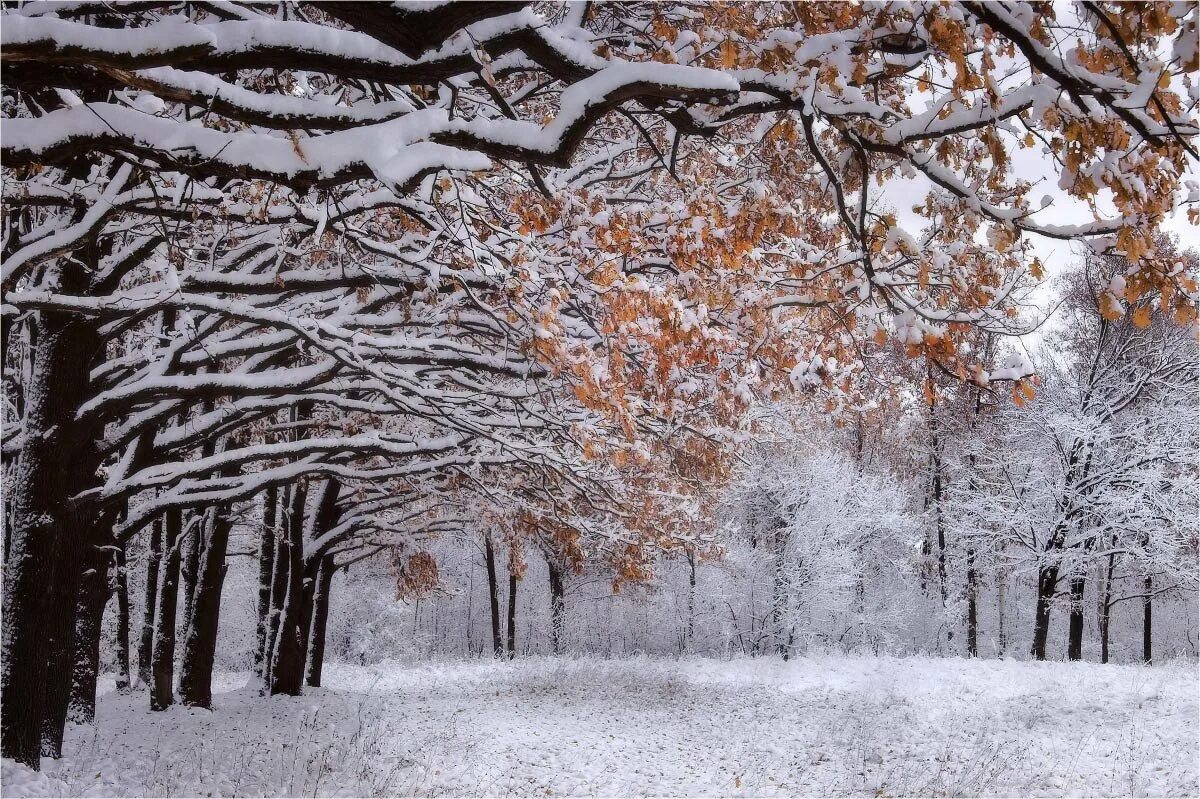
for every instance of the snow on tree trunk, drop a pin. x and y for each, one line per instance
(44, 529)
(1075, 620)
(1047, 584)
(558, 609)
(162, 669)
(93, 596)
(153, 564)
(320, 620)
(266, 562)
(200, 645)
(121, 589)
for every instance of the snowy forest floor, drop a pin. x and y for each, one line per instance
(547, 727)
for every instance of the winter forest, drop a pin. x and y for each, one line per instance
(600, 398)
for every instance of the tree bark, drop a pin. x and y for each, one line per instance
(279, 583)
(200, 644)
(1148, 620)
(972, 607)
(1075, 629)
(287, 666)
(93, 596)
(489, 559)
(162, 669)
(558, 609)
(189, 566)
(45, 543)
(124, 677)
(512, 616)
(266, 561)
(691, 605)
(1047, 583)
(1104, 608)
(76, 652)
(320, 619)
(146, 642)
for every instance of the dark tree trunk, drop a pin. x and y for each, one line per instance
(1148, 620)
(511, 644)
(45, 539)
(266, 561)
(972, 607)
(146, 642)
(937, 489)
(1104, 609)
(1001, 615)
(124, 677)
(200, 645)
(93, 596)
(1047, 583)
(1075, 626)
(320, 619)
(287, 666)
(489, 559)
(307, 607)
(162, 668)
(76, 651)
(558, 609)
(691, 606)
(189, 566)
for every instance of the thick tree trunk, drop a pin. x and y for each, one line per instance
(146, 642)
(512, 617)
(308, 608)
(266, 562)
(93, 596)
(972, 607)
(1047, 583)
(76, 653)
(489, 559)
(320, 619)
(162, 668)
(1075, 626)
(124, 676)
(45, 531)
(558, 609)
(200, 644)
(1148, 620)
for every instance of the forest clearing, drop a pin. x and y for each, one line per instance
(827, 726)
(427, 397)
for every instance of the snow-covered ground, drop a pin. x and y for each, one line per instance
(546, 727)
